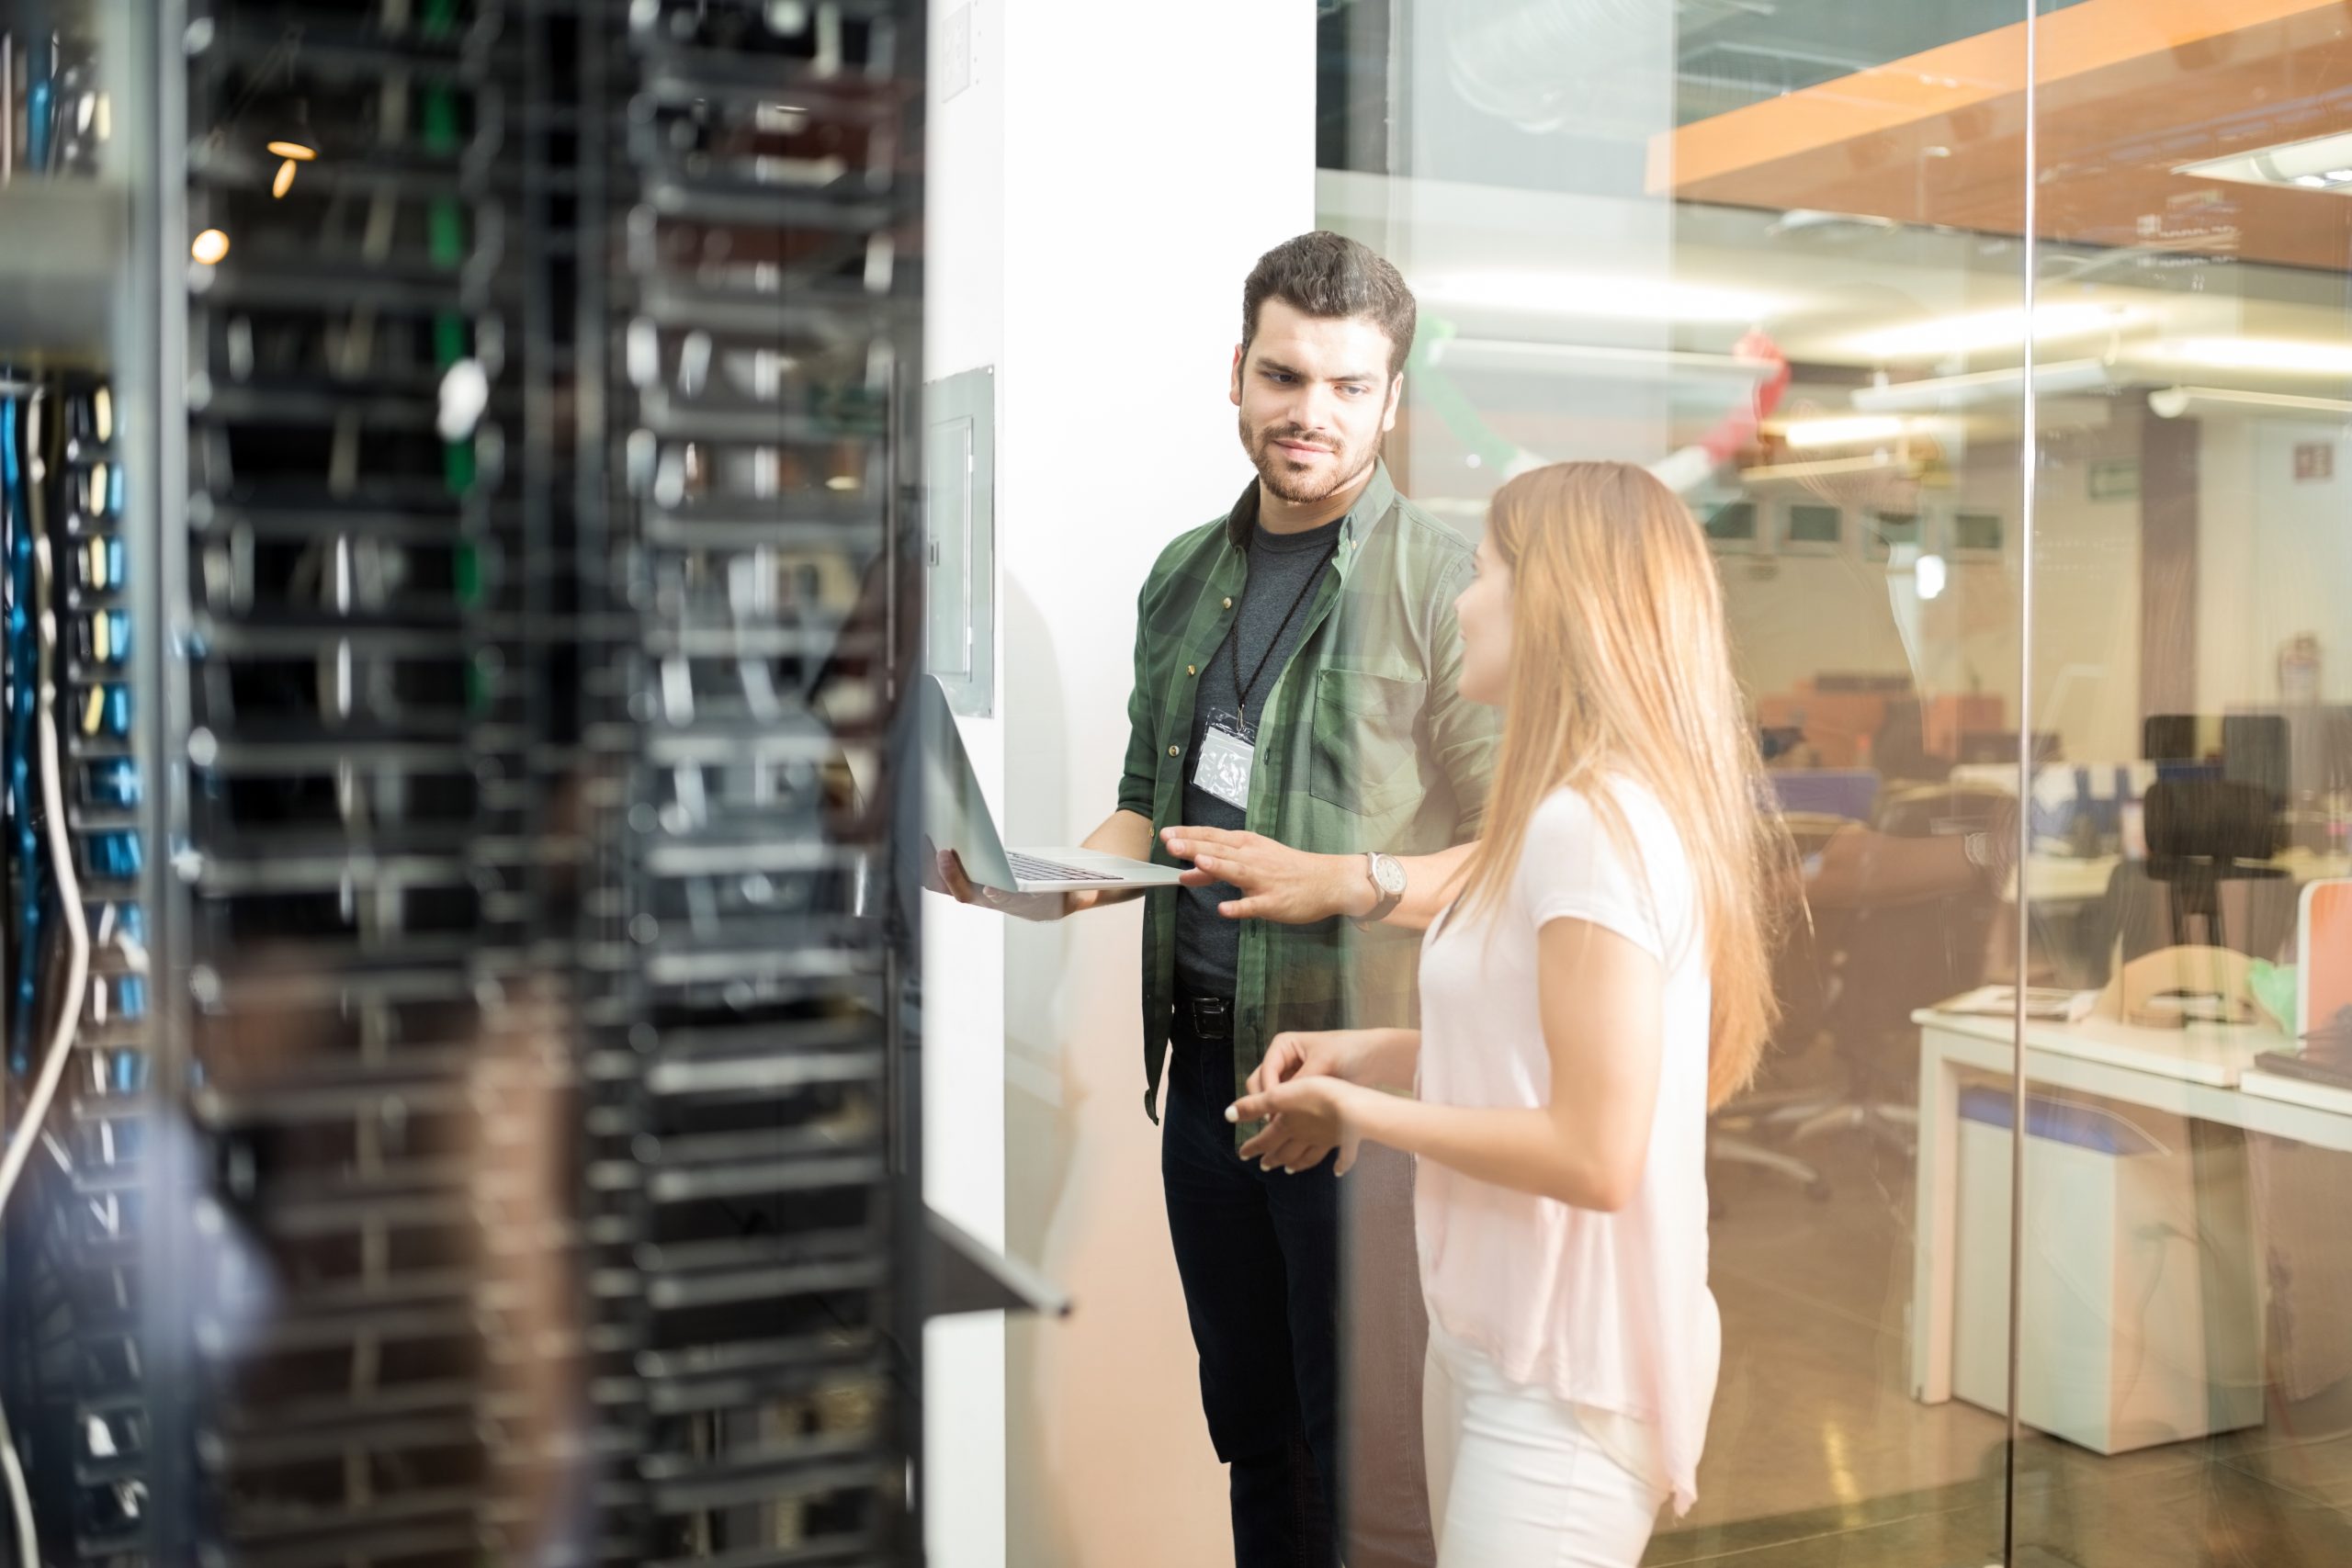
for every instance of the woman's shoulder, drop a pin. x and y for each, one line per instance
(1571, 812)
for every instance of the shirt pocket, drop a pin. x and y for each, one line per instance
(1364, 757)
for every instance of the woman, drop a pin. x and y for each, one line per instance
(1598, 984)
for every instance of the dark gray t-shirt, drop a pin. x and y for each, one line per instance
(1208, 946)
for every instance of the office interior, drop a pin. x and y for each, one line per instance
(2065, 487)
(498, 462)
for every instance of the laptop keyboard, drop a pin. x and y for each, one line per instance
(1029, 868)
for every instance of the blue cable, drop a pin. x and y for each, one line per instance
(18, 748)
(39, 92)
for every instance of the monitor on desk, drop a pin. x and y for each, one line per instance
(2205, 880)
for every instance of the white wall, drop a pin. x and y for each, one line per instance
(2274, 558)
(1097, 197)
(1150, 155)
(964, 949)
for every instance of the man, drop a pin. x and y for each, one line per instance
(1295, 683)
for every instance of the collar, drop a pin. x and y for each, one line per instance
(1379, 500)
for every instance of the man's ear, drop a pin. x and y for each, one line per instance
(1235, 388)
(1395, 402)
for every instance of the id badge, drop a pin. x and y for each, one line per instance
(1226, 762)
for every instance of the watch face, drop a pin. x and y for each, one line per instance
(1389, 875)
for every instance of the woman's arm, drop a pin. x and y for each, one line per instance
(1603, 1000)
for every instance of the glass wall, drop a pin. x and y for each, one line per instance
(2039, 553)
(2189, 576)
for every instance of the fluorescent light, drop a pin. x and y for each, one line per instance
(2171, 403)
(2321, 162)
(2299, 355)
(1989, 330)
(1985, 387)
(1594, 360)
(1850, 430)
(1595, 296)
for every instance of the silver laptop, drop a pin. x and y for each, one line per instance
(957, 818)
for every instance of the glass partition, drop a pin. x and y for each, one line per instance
(1624, 224)
(2184, 1355)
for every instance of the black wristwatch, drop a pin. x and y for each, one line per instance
(1387, 875)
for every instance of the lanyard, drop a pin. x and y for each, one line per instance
(1241, 689)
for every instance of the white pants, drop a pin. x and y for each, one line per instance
(1515, 1481)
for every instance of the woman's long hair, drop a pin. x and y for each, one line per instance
(1620, 667)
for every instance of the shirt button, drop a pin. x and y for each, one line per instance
(1175, 750)
(1228, 603)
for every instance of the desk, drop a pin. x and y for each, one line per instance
(2196, 1072)
(2068, 879)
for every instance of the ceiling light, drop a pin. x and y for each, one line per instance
(284, 181)
(1595, 360)
(297, 151)
(2319, 162)
(1985, 387)
(209, 247)
(1594, 297)
(1853, 431)
(2171, 403)
(2294, 356)
(1989, 330)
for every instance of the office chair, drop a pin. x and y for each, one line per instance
(2205, 880)
(1801, 984)
(1892, 960)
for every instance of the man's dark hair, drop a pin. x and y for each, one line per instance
(1334, 277)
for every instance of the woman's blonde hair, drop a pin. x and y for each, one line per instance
(1620, 667)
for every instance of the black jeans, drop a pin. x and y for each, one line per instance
(1259, 1254)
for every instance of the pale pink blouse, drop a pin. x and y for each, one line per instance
(1608, 1311)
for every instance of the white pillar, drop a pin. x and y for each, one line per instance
(1099, 192)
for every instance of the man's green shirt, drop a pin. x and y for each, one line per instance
(1364, 743)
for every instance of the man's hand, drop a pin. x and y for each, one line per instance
(1277, 883)
(945, 873)
(1305, 1120)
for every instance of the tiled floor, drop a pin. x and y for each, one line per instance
(1817, 1457)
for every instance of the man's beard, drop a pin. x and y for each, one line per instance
(1276, 473)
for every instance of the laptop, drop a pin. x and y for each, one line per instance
(956, 816)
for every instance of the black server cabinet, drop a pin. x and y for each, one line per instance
(461, 585)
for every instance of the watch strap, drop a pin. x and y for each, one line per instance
(1388, 901)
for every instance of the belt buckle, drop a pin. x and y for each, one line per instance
(1212, 1018)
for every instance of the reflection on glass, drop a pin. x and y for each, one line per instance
(2184, 1367)
(1597, 211)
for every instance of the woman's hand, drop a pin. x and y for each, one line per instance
(1306, 1118)
(1329, 1053)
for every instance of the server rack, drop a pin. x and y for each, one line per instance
(481, 623)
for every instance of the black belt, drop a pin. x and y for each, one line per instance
(1211, 1018)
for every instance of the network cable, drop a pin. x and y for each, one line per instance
(19, 441)
(60, 1048)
